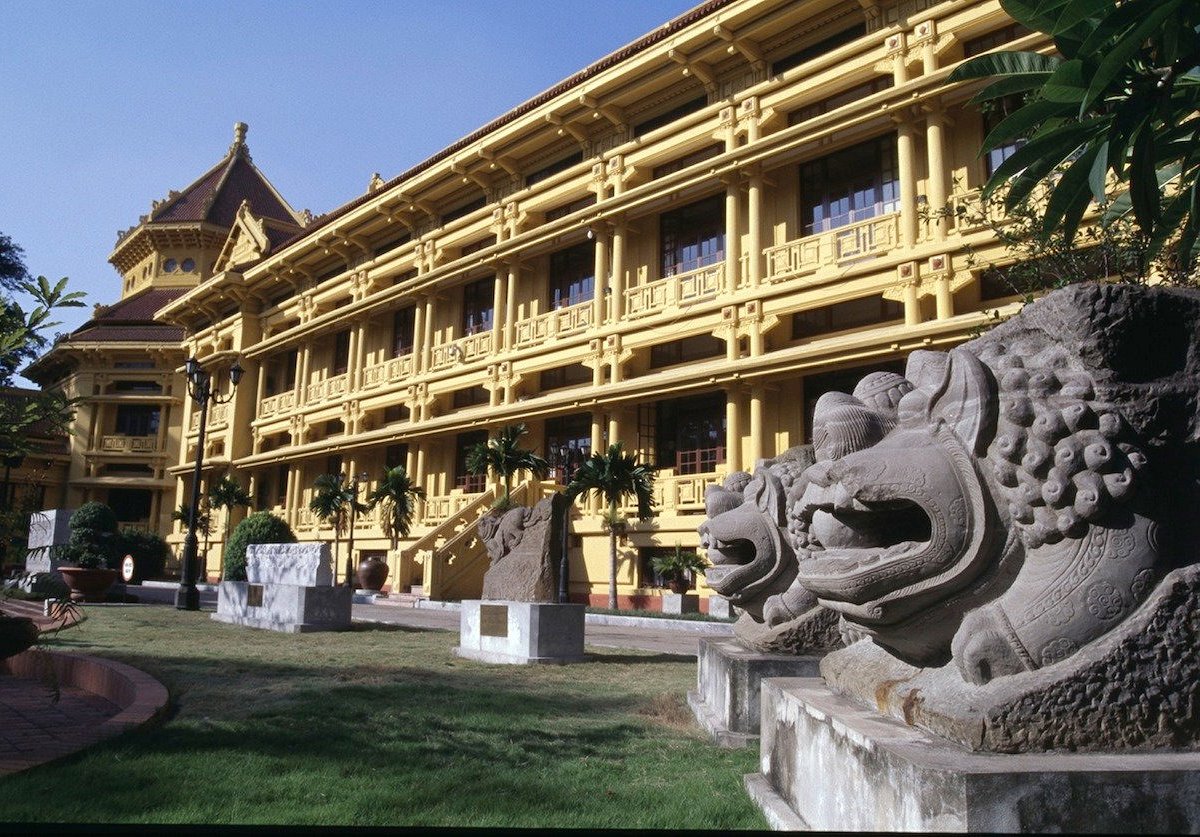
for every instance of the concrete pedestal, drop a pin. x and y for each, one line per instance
(288, 608)
(728, 680)
(680, 603)
(829, 764)
(521, 632)
(718, 606)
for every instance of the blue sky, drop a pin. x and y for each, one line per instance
(108, 105)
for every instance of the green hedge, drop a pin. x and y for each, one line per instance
(260, 527)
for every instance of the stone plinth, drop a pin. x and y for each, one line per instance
(680, 603)
(728, 681)
(305, 564)
(287, 608)
(521, 632)
(47, 529)
(829, 764)
(718, 606)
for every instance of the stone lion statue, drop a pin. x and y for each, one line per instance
(1008, 533)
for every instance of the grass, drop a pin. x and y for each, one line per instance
(385, 726)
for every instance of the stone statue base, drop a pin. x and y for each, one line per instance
(521, 632)
(728, 681)
(829, 763)
(287, 608)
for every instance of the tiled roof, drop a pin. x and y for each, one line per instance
(216, 196)
(127, 334)
(131, 320)
(137, 309)
(646, 41)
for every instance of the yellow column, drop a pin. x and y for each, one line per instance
(908, 182)
(617, 286)
(757, 395)
(510, 304)
(899, 67)
(427, 337)
(614, 428)
(935, 144)
(912, 306)
(358, 354)
(598, 446)
(600, 280)
(945, 301)
(303, 366)
(733, 234)
(418, 336)
(754, 223)
(733, 433)
(499, 298)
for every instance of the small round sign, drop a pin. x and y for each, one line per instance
(127, 569)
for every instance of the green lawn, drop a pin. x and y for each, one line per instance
(384, 725)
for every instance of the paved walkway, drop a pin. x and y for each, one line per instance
(36, 729)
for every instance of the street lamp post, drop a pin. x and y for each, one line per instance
(355, 481)
(200, 387)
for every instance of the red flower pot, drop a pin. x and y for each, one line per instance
(87, 584)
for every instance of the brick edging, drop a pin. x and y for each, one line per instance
(139, 696)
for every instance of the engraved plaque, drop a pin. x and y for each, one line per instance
(493, 620)
(254, 595)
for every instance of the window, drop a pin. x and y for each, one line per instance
(567, 208)
(692, 236)
(843, 316)
(688, 160)
(848, 186)
(281, 483)
(470, 397)
(170, 265)
(142, 387)
(686, 350)
(572, 275)
(996, 113)
(862, 91)
(670, 116)
(341, 352)
(477, 306)
(130, 505)
(464, 210)
(472, 483)
(281, 373)
(395, 456)
(395, 413)
(572, 375)
(568, 444)
(333, 465)
(554, 168)
(134, 364)
(647, 577)
(689, 433)
(188, 265)
(818, 49)
(335, 427)
(403, 331)
(996, 38)
(137, 420)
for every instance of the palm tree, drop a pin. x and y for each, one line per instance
(614, 476)
(398, 495)
(203, 519)
(226, 493)
(504, 457)
(332, 502)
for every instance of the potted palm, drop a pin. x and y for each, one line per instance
(332, 502)
(505, 457)
(613, 476)
(679, 569)
(398, 495)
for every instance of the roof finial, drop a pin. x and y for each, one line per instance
(239, 137)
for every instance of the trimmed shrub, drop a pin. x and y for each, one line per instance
(260, 527)
(95, 541)
(149, 553)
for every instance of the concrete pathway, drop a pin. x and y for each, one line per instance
(35, 729)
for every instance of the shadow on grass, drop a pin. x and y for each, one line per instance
(634, 659)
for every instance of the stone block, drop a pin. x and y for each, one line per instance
(287, 608)
(302, 564)
(47, 529)
(829, 764)
(728, 682)
(521, 632)
(677, 603)
(718, 606)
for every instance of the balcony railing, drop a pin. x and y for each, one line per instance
(218, 414)
(273, 404)
(329, 389)
(436, 509)
(391, 371)
(679, 493)
(129, 444)
(557, 323)
(833, 249)
(674, 291)
(471, 347)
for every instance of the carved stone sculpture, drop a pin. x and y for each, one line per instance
(524, 545)
(1010, 529)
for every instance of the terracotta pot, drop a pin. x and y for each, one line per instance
(372, 573)
(88, 585)
(678, 585)
(16, 634)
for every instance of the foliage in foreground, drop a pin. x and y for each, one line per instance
(386, 726)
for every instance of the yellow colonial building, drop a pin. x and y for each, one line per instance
(680, 247)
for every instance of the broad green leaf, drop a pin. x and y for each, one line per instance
(1114, 22)
(1097, 175)
(1008, 85)
(1053, 146)
(1029, 13)
(1076, 11)
(1071, 195)
(1020, 122)
(1143, 179)
(1067, 83)
(1004, 64)
(1115, 60)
